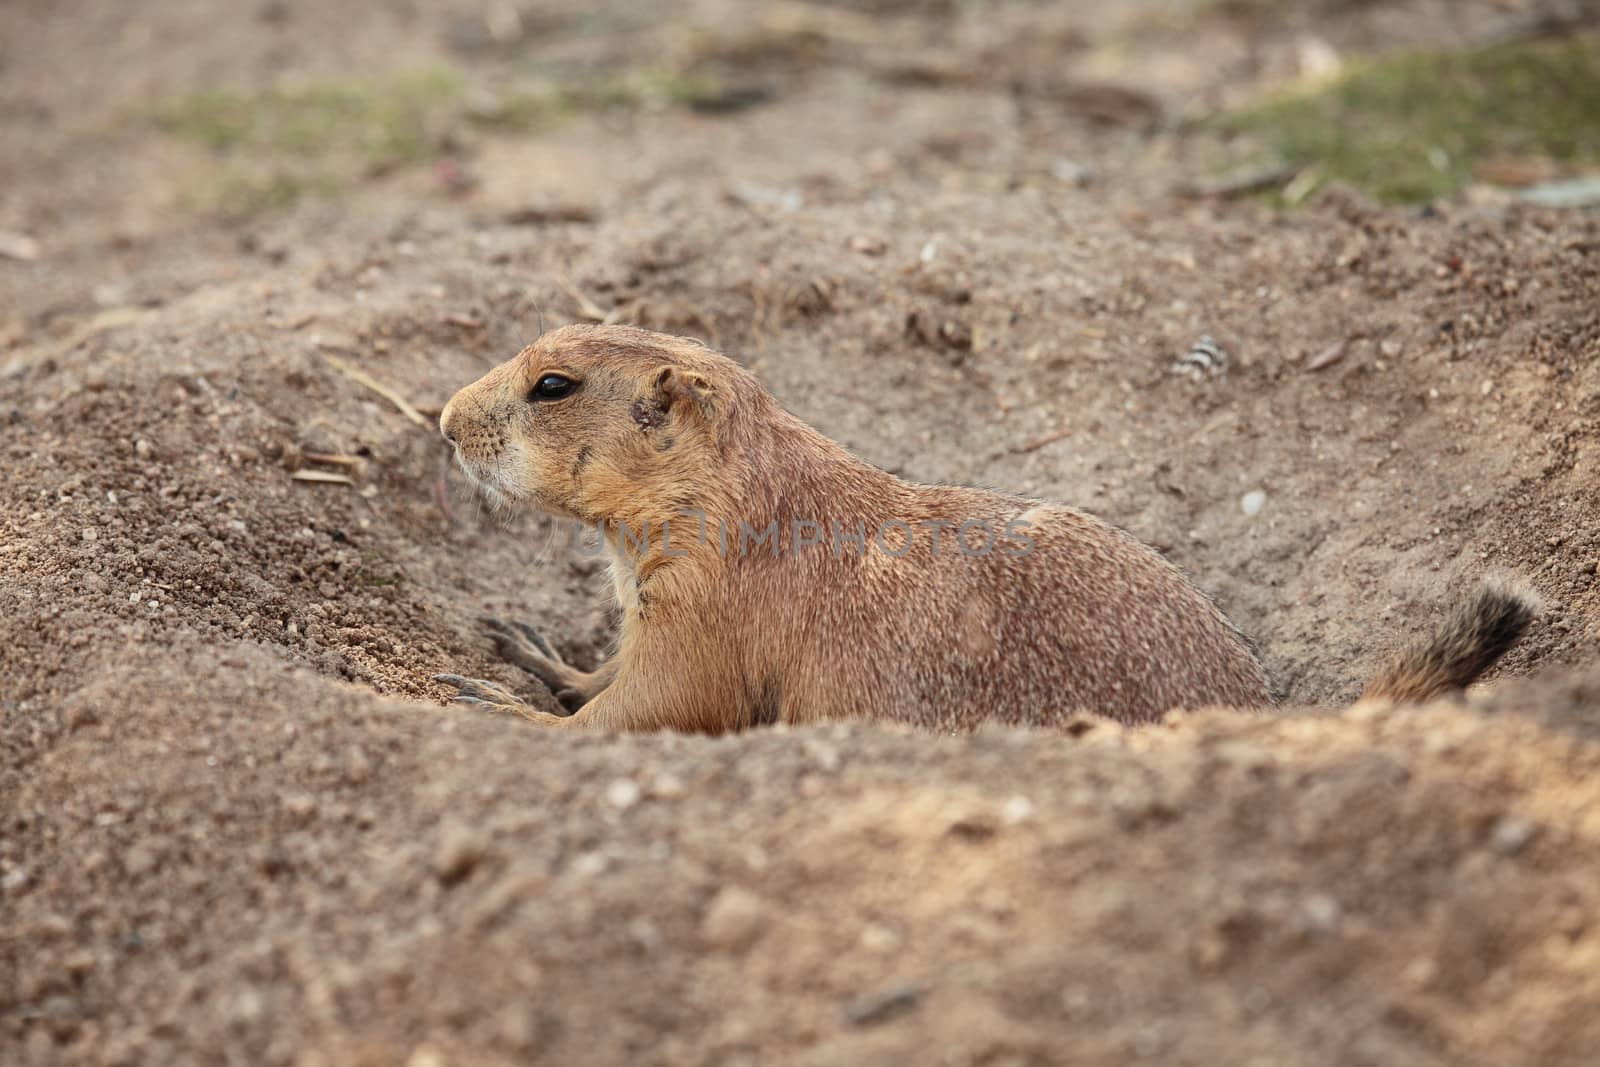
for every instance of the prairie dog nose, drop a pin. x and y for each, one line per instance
(445, 419)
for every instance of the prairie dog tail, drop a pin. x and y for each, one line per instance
(1477, 633)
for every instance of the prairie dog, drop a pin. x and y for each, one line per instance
(767, 575)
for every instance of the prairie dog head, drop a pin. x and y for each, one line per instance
(600, 423)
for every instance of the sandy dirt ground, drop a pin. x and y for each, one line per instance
(240, 824)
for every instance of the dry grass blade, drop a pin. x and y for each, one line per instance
(587, 309)
(105, 321)
(1241, 182)
(326, 477)
(361, 377)
(441, 486)
(334, 459)
(1328, 356)
(1039, 442)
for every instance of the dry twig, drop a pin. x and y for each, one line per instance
(1039, 442)
(361, 377)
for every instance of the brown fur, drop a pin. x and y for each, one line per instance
(1088, 619)
(1475, 635)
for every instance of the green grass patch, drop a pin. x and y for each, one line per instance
(1412, 126)
(384, 123)
(646, 89)
(276, 146)
(269, 148)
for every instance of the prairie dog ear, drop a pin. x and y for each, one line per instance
(675, 387)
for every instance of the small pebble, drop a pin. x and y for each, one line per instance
(90, 534)
(874, 1008)
(1252, 502)
(878, 938)
(18, 246)
(734, 918)
(623, 793)
(247, 1006)
(1072, 172)
(590, 864)
(357, 765)
(667, 786)
(1322, 913)
(460, 849)
(1420, 972)
(1511, 834)
(300, 805)
(1017, 809)
(826, 756)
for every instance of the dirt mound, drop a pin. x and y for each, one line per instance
(240, 824)
(352, 879)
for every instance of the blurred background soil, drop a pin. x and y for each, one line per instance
(1306, 294)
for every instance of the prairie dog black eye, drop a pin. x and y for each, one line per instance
(552, 387)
